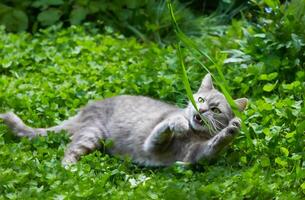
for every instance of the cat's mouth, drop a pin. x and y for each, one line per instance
(198, 119)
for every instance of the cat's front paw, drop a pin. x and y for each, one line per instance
(234, 126)
(179, 125)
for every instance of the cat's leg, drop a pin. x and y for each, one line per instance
(164, 132)
(83, 142)
(212, 147)
(179, 125)
(158, 138)
(221, 140)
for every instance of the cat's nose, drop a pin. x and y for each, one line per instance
(202, 110)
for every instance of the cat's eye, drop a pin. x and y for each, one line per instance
(200, 100)
(216, 110)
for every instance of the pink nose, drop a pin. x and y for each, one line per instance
(202, 110)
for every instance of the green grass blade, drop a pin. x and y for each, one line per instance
(185, 78)
(191, 45)
(175, 24)
(188, 87)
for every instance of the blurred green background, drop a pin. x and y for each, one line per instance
(147, 19)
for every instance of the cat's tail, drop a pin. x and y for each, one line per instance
(20, 129)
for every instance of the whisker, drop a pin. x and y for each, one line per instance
(220, 123)
(217, 125)
(213, 127)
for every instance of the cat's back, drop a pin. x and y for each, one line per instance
(130, 103)
(141, 104)
(128, 111)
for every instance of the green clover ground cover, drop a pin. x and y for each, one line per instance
(47, 76)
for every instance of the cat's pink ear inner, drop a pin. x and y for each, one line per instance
(241, 103)
(207, 83)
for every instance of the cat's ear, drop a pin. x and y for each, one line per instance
(241, 103)
(207, 83)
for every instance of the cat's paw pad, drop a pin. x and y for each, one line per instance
(232, 130)
(179, 125)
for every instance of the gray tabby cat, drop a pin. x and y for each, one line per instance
(151, 132)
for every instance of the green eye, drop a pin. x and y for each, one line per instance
(200, 100)
(216, 110)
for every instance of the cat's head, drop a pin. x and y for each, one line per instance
(213, 108)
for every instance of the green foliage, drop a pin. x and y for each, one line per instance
(47, 76)
(146, 19)
(270, 48)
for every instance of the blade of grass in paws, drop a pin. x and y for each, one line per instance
(191, 45)
(226, 94)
